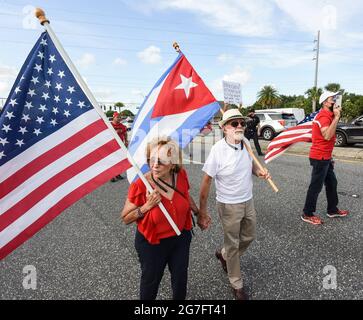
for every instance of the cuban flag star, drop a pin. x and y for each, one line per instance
(179, 106)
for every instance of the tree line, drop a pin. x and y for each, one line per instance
(269, 98)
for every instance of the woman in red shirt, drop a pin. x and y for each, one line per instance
(156, 243)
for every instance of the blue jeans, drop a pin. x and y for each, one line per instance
(323, 173)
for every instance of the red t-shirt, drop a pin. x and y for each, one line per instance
(121, 130)
(154, 226)
(322, 149)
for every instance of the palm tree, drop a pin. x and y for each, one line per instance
(119, 105)
(314, 93)
(268, 97)
(334, 87)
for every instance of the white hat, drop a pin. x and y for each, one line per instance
(326, 95)
(229, 115)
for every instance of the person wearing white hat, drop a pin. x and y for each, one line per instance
(232, 167)
(323, 140)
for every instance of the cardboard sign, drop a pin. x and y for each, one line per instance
(232, 92)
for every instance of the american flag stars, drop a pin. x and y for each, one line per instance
(44, 99)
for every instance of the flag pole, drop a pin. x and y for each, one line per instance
(272, 184)
(40, 14)
(249, 150)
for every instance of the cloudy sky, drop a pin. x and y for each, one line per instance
(122, 47)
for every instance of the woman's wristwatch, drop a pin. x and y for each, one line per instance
(140, 215)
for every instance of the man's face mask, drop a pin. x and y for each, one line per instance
(331, 107)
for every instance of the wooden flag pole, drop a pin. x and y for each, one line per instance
(40, 14)
(249, 150)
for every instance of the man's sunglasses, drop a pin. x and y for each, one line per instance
(235, 123)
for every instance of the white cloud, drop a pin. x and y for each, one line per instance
(150, 55)
(138, 93)
(333, 18)
(104, 94)
(4, 87)
(87, 60)
(225, 57)
(7, 72)
(7, 78)
(120, 61)
(247, 18)
(237, 74)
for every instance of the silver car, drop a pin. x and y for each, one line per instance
(273, 123)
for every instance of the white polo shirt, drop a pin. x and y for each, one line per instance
(232, 170)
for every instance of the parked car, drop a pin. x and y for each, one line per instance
(273, 123)
(350, 133)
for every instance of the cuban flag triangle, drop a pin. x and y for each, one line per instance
(178, 106)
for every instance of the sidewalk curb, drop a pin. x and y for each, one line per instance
(349, 154)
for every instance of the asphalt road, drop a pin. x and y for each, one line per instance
(87, 253)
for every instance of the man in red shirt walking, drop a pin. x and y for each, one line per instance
(122, 133)
(323, 139)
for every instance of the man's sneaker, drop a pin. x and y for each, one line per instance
(339, 213)
(311, 219)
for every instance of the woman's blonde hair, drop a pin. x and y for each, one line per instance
(173, 151)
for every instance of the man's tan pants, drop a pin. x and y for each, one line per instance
(239, 227)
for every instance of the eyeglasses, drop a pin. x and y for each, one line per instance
(235, 123)
(153, 161)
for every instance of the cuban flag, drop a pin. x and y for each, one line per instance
(178, 106)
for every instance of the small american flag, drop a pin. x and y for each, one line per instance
(54, 146)
(300, 133)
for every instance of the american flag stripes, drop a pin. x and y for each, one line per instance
(54, 146)
(300, 133)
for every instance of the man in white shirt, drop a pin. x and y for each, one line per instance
(230, 164)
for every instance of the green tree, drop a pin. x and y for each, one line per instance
(109, 113)
(268, 97)
(127, 113)
(333, 87)
(314, 93)
(244, 111)
(119, 106)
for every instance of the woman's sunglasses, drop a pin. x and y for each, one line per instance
(235, 123)
(152, 162)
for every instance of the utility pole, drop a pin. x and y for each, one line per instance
(316, 58)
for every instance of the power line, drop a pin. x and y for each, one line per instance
(143, 39)
(130, 50)
(172, 31)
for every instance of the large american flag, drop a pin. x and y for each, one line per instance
(299, 133)
(54, 146)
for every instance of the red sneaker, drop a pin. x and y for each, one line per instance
(339, 213)
(311, 219)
